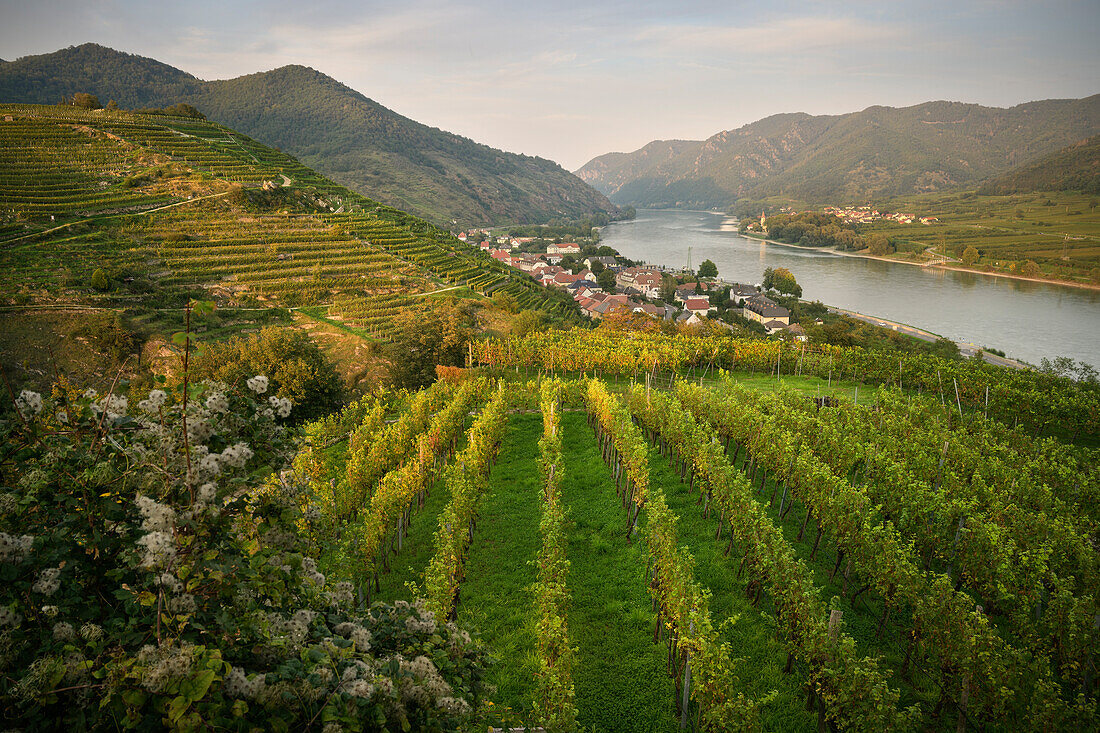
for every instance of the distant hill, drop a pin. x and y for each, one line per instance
(1076, 168)
(331, 128)
(877, 152)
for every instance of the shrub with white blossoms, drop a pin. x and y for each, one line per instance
(29, 403)
(236, 455)
(149, 580)
(218, 403)
(153, 402)
(281, 405)
(114, 405)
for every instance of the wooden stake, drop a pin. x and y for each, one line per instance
(686, 704)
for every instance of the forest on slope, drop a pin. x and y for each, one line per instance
(331, 128)
(1075, 168)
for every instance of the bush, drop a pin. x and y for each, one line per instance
(108, 334)
(298, 369)
(506, 301)
(100, 281)
(1031, 269)
(154, 581)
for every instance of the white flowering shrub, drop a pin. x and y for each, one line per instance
(153, 575)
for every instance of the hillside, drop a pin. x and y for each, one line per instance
(877, 152)
(168, 209)
(331, 128)
(1076, 168)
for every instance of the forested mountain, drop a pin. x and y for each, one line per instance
(1076, 168)
(331, 128)
(880, 151)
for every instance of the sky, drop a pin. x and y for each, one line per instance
(572, 80)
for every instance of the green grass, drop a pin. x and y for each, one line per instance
(810, 386)
(496, 596)
(752, 636)
(862, 617)
(317, 313)
(619, 673)
(407, 567)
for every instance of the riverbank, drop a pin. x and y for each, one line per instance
(966, 349)
(954, 268)
(1029, 323)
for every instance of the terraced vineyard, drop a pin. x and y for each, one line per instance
(192, 207)
(722, 558)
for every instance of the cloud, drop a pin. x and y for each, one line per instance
(788, 36)
(403, 32)
(569, 79)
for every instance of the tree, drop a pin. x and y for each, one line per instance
(708, 269)
(945, 348)
(879, 245)
(528, 321)
(86, 101)
(506, 301)
(110, 335)
(720, 299)
(294, 365)
(606, 281)
(422, 341)
(668, 288)
(597, 267)
(970, 256)
(782, 280)
(1031, 269)
(100, 281)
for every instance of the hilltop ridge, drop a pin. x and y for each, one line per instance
(876, 152)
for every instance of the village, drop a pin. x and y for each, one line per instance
(602, 285)
(868, 215)
(849, 215)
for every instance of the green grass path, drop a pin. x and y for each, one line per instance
(495, 598)
(861, 618)
(620, 677)
(752, 636)
(418, 547)
(408, 566)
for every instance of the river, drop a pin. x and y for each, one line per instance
(1026, 320)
